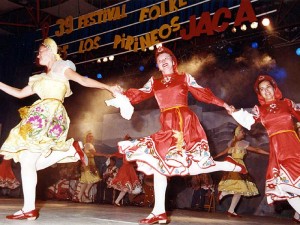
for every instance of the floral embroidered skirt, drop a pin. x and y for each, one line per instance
(43, 128)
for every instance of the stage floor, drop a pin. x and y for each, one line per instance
(65, 213)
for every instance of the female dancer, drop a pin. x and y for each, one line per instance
(39, 140)
(234, 183)
(276, 115)
(126, 180)
(180, 147)
(89, 174)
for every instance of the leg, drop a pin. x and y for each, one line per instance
(235, 200)
(221, 166)
(29, 180)
(119, 198)
(295, 203)
(82, 190)
(87, 190)
(56, 156)
(159, 212)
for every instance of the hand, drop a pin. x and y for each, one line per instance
(115, 89)
(230, 109)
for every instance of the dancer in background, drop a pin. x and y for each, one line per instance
(7, 176)
(276, 115)
(180, 147)
(39, 140)
(89, 173)
(126, 180)
(233, 183)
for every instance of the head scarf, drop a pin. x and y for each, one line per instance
(161, 50)
(52, 46)
(261, 78)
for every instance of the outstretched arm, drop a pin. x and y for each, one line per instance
(88, 82)
(16, 92)
(257, 150)
(224, 152)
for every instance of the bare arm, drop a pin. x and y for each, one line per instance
(257, 150)
(224, 152)
(88, 82)
(16, 92)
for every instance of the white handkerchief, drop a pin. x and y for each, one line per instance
(244, 118)
(122, 102)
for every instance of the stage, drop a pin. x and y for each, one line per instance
(67, 212)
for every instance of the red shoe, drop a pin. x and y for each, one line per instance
(80, 152)
(231, 160)
(161, 218)
(31, 215)
(233, 215)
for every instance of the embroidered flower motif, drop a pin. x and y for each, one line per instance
(272, 108)
(36, 121)
(56, 130)
(166, 80)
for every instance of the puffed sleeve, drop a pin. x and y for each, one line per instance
(33, 79)
(136, 96)
(202, 94)
(62, 65)
(294, 108)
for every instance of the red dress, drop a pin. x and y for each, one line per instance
(7, 177)
(284, 161)
(180, 147)
(126, 179)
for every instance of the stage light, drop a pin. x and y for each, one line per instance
(99, 75)
(265, 22)
(254, 25)
(254, 44)
(229, 50)
(141, 68)
(243, 27)
(298, 51)
(111, 58)
(151, 48)
(105, 59)
(233, 30)
(98, 60)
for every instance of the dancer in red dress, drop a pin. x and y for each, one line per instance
(180, 147)
(7, 176)
(276, 115)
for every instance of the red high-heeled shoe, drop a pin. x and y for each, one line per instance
(31, 215)
(80, 152)
(161, 218)
(233, 215)
(231, 160)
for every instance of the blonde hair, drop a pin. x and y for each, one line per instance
(86, 134)
(50, 44)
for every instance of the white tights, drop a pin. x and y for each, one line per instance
(160, 186)
(32, 162)
(221, 166)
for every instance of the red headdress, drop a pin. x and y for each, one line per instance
(161, 50)
(261, 78)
